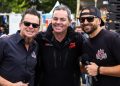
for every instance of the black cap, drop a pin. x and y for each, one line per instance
(93, 11)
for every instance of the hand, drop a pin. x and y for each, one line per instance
(92, 69)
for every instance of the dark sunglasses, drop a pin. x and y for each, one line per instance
(89, 19)
(29, 23)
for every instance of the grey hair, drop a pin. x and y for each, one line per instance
(65, 8)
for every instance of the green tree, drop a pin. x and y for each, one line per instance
(13, 5)
(18, 6)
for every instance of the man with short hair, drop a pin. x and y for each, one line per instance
(18, 52)
(60, 49)
(103, 49)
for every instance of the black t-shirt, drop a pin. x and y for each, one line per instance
(104, 50)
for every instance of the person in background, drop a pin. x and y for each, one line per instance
(60, 48)
(78, 29)
(103, 49)
(1, 29)
(18, 52)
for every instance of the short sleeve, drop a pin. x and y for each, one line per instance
(115, 49)
(2, 47)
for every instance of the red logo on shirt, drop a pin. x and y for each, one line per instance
(72, 45)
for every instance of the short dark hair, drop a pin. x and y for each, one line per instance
(65, 8)
(31, 11)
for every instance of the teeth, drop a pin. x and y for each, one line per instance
(30, 31)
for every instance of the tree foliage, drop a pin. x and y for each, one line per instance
(13, 5)
(18, 6)
(47, 5)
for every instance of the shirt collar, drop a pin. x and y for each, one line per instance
(18, 37)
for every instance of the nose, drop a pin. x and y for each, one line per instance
(31, 26)
(58, 21)
(85, 22)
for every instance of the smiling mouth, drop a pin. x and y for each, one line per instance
(57, 27)
(31, 32)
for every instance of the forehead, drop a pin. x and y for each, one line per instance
(60, 13)
(31, 18)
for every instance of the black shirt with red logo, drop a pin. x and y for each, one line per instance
(60, 60)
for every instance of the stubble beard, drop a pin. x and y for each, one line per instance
(92, 28)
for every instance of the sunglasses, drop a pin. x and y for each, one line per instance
(29, 23)
(89, 19)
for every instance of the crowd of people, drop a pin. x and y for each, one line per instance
(52, 58)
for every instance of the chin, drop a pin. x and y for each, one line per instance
(57, 31)
(30, 36)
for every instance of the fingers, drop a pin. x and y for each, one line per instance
(91, 69)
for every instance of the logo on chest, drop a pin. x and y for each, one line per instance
(33, 54)
(101, 54)
(72, 45)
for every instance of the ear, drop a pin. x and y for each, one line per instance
(20, 24)
(70, 21)
(99, 21)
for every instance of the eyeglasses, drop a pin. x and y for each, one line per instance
(89, 19)
(29, 23)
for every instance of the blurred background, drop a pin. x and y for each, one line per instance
(10, 12)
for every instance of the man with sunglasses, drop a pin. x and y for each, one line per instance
(103, 49)
(18, 52)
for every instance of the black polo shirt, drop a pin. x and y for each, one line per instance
(16, 63)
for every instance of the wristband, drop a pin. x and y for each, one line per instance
(98, 70)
